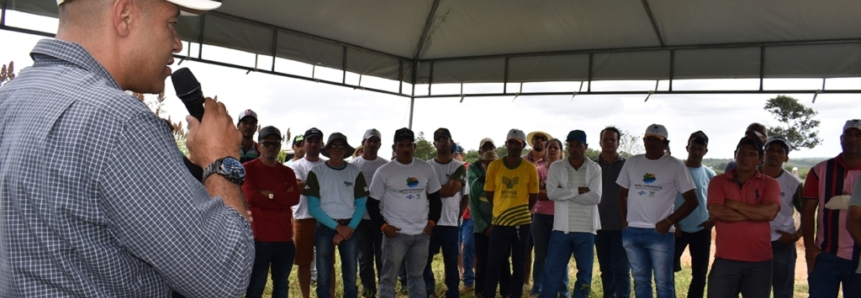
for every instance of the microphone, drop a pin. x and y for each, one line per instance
(188, 90)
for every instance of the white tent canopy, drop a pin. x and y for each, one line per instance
(515, 41)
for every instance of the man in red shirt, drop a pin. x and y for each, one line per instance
(270, 189)
(743, 202)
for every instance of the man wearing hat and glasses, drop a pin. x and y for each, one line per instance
(408, 191)
(118, 215)
(303, 223)
(270, 190)
(454, 196)
(370, 237)
(742, 202)
(832, 257)
(784, 235)
(336, 192)
(512, 188)
(649, 185)
(298, 147)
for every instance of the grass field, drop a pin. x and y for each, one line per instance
(682, 278)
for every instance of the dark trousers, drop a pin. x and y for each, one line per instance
(613, 263)
(783, 269)
(729, 278)
(482, 244)
(444, 238)
(370, 255)
(277, 256)
(700, 248)
(506, 241)
(829, 272)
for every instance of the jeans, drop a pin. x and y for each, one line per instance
(542, 226)
(349, 252)
(650, 251)
(275, 255)
(613, 263)
(481, 251)
(370, 255)
(468, 240)
(410, 248)
(700, 248)
(561, 247)
(829, 271)
(729, 278)
(506, 241)
(783, 269)
(445, 238)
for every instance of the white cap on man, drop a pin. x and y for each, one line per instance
(516, 134)
(186, 7)
(854, 123)
(657, 130)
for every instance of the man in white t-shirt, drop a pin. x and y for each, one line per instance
(370, 237)
(454, 196)
(784, 234)
(406, 206)
(646, 200)
(336, 192)
(303, 223)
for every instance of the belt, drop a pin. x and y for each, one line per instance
(343, 222)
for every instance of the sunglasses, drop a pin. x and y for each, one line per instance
(338, 147)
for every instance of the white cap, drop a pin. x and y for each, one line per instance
(854, 123)
(516, 134)
(781, 140)
(657, 130)
(373, 132)
(186, 7)
(485, 141)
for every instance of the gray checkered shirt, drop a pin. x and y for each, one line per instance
(94, 196)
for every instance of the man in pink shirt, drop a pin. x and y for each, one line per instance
(743, 202)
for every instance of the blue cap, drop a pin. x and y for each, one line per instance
(576, 135)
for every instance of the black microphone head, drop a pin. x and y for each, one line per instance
(186, 85)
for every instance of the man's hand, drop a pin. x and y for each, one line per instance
(663, 226)
(300, 184)
(678, 232)
(265, 192)
(391, 231)
(213, 138)
(811, 254)
(708, 224)
(344, 231)
(487, 232)
(337, 239)
(582, 190)
(429, 229)
(787, 238)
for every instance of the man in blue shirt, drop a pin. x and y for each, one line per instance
(696, 229)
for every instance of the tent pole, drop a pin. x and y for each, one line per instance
(412, 105)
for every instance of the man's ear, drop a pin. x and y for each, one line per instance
(123, 15)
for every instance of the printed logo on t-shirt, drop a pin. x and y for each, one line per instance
(416, 196)
(649, 178)
(412, 182)
(510, 182)
(348, 184)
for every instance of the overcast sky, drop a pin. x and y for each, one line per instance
(299, 104)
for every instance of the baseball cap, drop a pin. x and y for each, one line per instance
(186, 7)
(779, 139)
(337, 136)
(268, 131)
(441, 132)
(537, 132)
(373, 132)
(246, 113)
(854, 123)
(485, 141)
(313, 132)
(751, 140)
(404, 133)
(298, 139)
(516, 134)
(699, 136)
(657, 130)
(576, 135)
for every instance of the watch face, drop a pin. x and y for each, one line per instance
(233, 167)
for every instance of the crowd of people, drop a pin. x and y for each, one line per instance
(97, 201)
(497, 218)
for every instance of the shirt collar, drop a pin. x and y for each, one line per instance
(48, 49)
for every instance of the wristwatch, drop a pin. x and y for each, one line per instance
(228, 167)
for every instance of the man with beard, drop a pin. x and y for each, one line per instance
(370, 238)
(247, 125)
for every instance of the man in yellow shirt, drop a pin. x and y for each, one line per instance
(512, 188)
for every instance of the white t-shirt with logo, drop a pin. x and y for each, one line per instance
(403, 193)
(652, 186)
(368, 167)
(454, 169)
(301, 168)
(337, 188)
